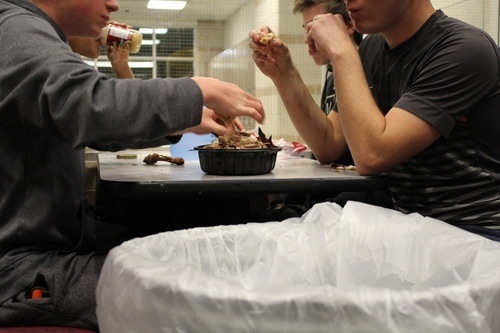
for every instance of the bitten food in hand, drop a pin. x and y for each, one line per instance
(265, 38)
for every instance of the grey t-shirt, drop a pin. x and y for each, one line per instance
(448, 75)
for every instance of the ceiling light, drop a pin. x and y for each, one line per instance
(149, 31)
(170, 5)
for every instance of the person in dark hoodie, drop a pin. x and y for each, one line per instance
(52, 106)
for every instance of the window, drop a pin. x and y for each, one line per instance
(164, 53)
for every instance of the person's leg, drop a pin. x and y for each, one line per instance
(380, 198)
(70, 299)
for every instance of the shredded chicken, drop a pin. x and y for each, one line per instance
(241, 140)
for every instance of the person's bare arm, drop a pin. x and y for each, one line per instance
(322, 134)
(119, 56)
(119, 61)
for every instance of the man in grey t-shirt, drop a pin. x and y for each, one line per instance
(420, 102)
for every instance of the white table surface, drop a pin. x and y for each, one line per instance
(292, 174)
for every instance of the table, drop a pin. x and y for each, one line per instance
(292, 174)
(129, 190)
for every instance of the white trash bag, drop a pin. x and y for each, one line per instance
(358, 269)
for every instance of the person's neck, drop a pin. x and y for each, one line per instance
(409, 24)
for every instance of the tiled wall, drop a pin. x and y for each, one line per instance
(234, 64)
(209, 41)
(481, 13)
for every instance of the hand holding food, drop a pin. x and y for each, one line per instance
(271, 54)
(262, 43)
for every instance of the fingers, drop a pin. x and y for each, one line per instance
(238, 124)
(227, 122)
(260, 58)
(219, 130)
(265, 43)
(324, 29)
(221, 126)
(263, 53)
(232, 124)
(117, 54)
(123, 25)
(248, 106)
(251, 106)
(228, 99)
(256, 35)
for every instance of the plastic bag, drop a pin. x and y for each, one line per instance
(358, 269)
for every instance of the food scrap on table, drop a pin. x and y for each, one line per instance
(126, 156)
(153, 158)
(337, 166)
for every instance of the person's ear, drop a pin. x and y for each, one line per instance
(350, 27)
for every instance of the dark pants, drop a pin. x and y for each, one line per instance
(294, 205)
(482, 231)
(71, 281)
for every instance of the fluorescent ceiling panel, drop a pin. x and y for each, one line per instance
(149, 31)
(169, 5)
(149, 42)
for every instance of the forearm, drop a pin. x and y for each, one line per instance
(363, 123)
(123, 70)
(309, 120)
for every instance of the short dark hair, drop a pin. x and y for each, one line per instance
(333, 6)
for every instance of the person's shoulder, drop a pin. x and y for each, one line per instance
(6, 6)
(459, 30)
(17, 20)
(27, 20)
(10, 10)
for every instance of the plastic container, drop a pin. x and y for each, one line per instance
(237, 162)
(358, 269)
(120, 36)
